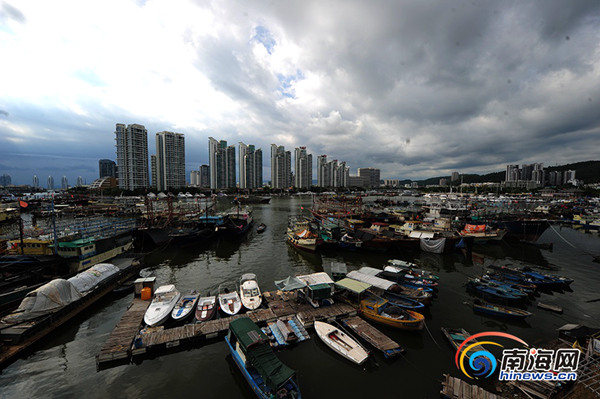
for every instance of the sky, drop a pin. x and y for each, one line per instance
(415, 88)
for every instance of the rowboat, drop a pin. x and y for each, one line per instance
(250, 349)
(499, 311)
(164, 301)
(229, 301)
(403, 301)
(382, 311)
(341, 343)
(250, 292)
(400, 266)
(456, 336)
(261, 228)
(206, 308)
(185, 306)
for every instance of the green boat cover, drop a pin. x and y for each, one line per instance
(255, 345)
(320, 291)
(76, 243)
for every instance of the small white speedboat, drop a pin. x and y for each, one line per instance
(229, 301)
(164, 301)
(341, 343)
(250, 292)
(185, 306)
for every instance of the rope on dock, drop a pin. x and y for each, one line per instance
(562, 238)
(431, 335)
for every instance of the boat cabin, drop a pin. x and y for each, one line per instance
(31, 246)
(251, 350)
(81, 249)
(318, 290)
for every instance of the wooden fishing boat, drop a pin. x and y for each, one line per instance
(456, 336)
(382, 311)
(229, 301)
(417, 294)
(250, 349)
(404, 301)
(165, 299)
(341, 343)
(250, 292)
(206, 308)
(185, 306)
(499, 311)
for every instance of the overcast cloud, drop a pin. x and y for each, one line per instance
(417, 89)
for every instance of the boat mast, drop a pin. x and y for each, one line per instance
(55, 250)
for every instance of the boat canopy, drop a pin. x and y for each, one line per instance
(255, 345)
(421, 234)
(374, 281)
(320, 291)
(46, 299)
(354, 286)
(338, 268)
(90, 278)
(248, 276)
(289, 284)
(82, 242)
(316, 278)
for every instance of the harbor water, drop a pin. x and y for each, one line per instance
(63, 364)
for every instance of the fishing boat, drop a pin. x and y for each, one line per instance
(528, 276)
(456, 336)
(165, 299)
(403, 301)
(237, 222)
(229, 301)
(381, 311)
(261, 228)
(524, 229)
(252, 353)
(417, 294)
(491, 293)
(482, 233)
(341, 343)
(300, 234)
(185, 306)
(250, 292)
(399, 266)
(499, 311)
(206, 308)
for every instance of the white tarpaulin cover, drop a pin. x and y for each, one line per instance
(46, 299)
(374, 281)
(90, 278)
(289, 284)
(434, 246)
(316, 278)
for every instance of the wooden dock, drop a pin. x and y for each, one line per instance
(455, 388)
(128, 343)
(118, 345)
(373, 336)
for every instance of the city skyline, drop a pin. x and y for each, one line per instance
(421, 89)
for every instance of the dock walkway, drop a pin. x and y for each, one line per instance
(373, 336)
(128, 343)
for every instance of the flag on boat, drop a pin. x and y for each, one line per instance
(23, 204)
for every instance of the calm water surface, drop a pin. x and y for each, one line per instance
(64, 364)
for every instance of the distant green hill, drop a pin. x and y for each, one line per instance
(588, 171)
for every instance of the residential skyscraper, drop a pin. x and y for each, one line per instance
(153, 171)
(132, 156)
(281, 167)
(170, 161)
(204, 176)
(222, 164)
(79, 181)
(321, 170)
(512, 173)
(302, 168)
(107, 168)
(250, 160)
(5, 180)
(195, 178)
(372, 174)
(64, 183)
(50, 183)
(332, 173)
(455, 176)
(36, 182)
